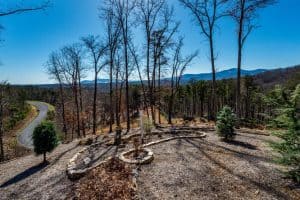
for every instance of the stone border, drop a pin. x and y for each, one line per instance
(174, 138)
(150, 157)
(144, 160)
(78, 173)
(176, 130)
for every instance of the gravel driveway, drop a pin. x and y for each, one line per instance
(27, 179)
(25, 137)
(208, 169)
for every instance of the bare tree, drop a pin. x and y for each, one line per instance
(123, 12)
(178, 66)
(96, 51)
(18, 9)
(21, 9)
(113, 39)
(244, 13)
(206, 14)
(138, 67)
(118, 88)
(161, 41)
(55, 70)
(73, 70)
(148, 14)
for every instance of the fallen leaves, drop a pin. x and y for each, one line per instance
(112, 180)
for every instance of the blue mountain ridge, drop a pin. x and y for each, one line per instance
(225, 74)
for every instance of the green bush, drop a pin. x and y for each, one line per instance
(50, 115)
(225, 123)
(147, 125)
(44, 138)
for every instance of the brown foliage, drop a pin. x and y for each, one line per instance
(112, 180)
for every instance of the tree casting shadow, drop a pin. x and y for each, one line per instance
(24, 174)
(262, 186)
(242, 144)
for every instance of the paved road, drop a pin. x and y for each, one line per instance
(25, 137)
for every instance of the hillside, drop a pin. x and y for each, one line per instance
(270, 78)
(262, 76)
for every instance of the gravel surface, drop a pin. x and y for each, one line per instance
(211, 169)
(25, 137)
(25, 178)
(182, 169)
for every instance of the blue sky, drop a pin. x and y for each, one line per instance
(29, 38)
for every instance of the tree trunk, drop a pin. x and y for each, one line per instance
(1, 133)
(111, 94)
(171, 102)
(159, 88)
(239, 64)
(81, 106)
(117, 101)
(45, 160)
(63, 109)
(127, 90)
(201, 107)
(238, 82)
(95, 103)
(77, 108)
(213, 92)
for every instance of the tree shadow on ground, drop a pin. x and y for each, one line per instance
(242, 144)
(24, 174)
(262, 186)
(240, 154)
(53, 162)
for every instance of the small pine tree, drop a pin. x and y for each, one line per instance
(288, 120)
(44, 138)
(225, 123)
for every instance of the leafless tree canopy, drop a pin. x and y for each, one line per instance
(17, 9)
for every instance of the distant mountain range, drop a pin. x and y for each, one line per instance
(225, 74)
(99, 81)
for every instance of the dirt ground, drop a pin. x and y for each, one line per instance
(26, 178)
(211, 169)
(182, 169)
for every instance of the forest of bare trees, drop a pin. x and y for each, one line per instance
(157, 55)
(121, 110)
(84, 108)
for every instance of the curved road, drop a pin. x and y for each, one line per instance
(25, 136)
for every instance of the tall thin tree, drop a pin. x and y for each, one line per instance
(97, 52)
(206, 13)
(55, 70)
(124, 10)
(112, 32)
(244, 13)
(149, 12)
(178, 65)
